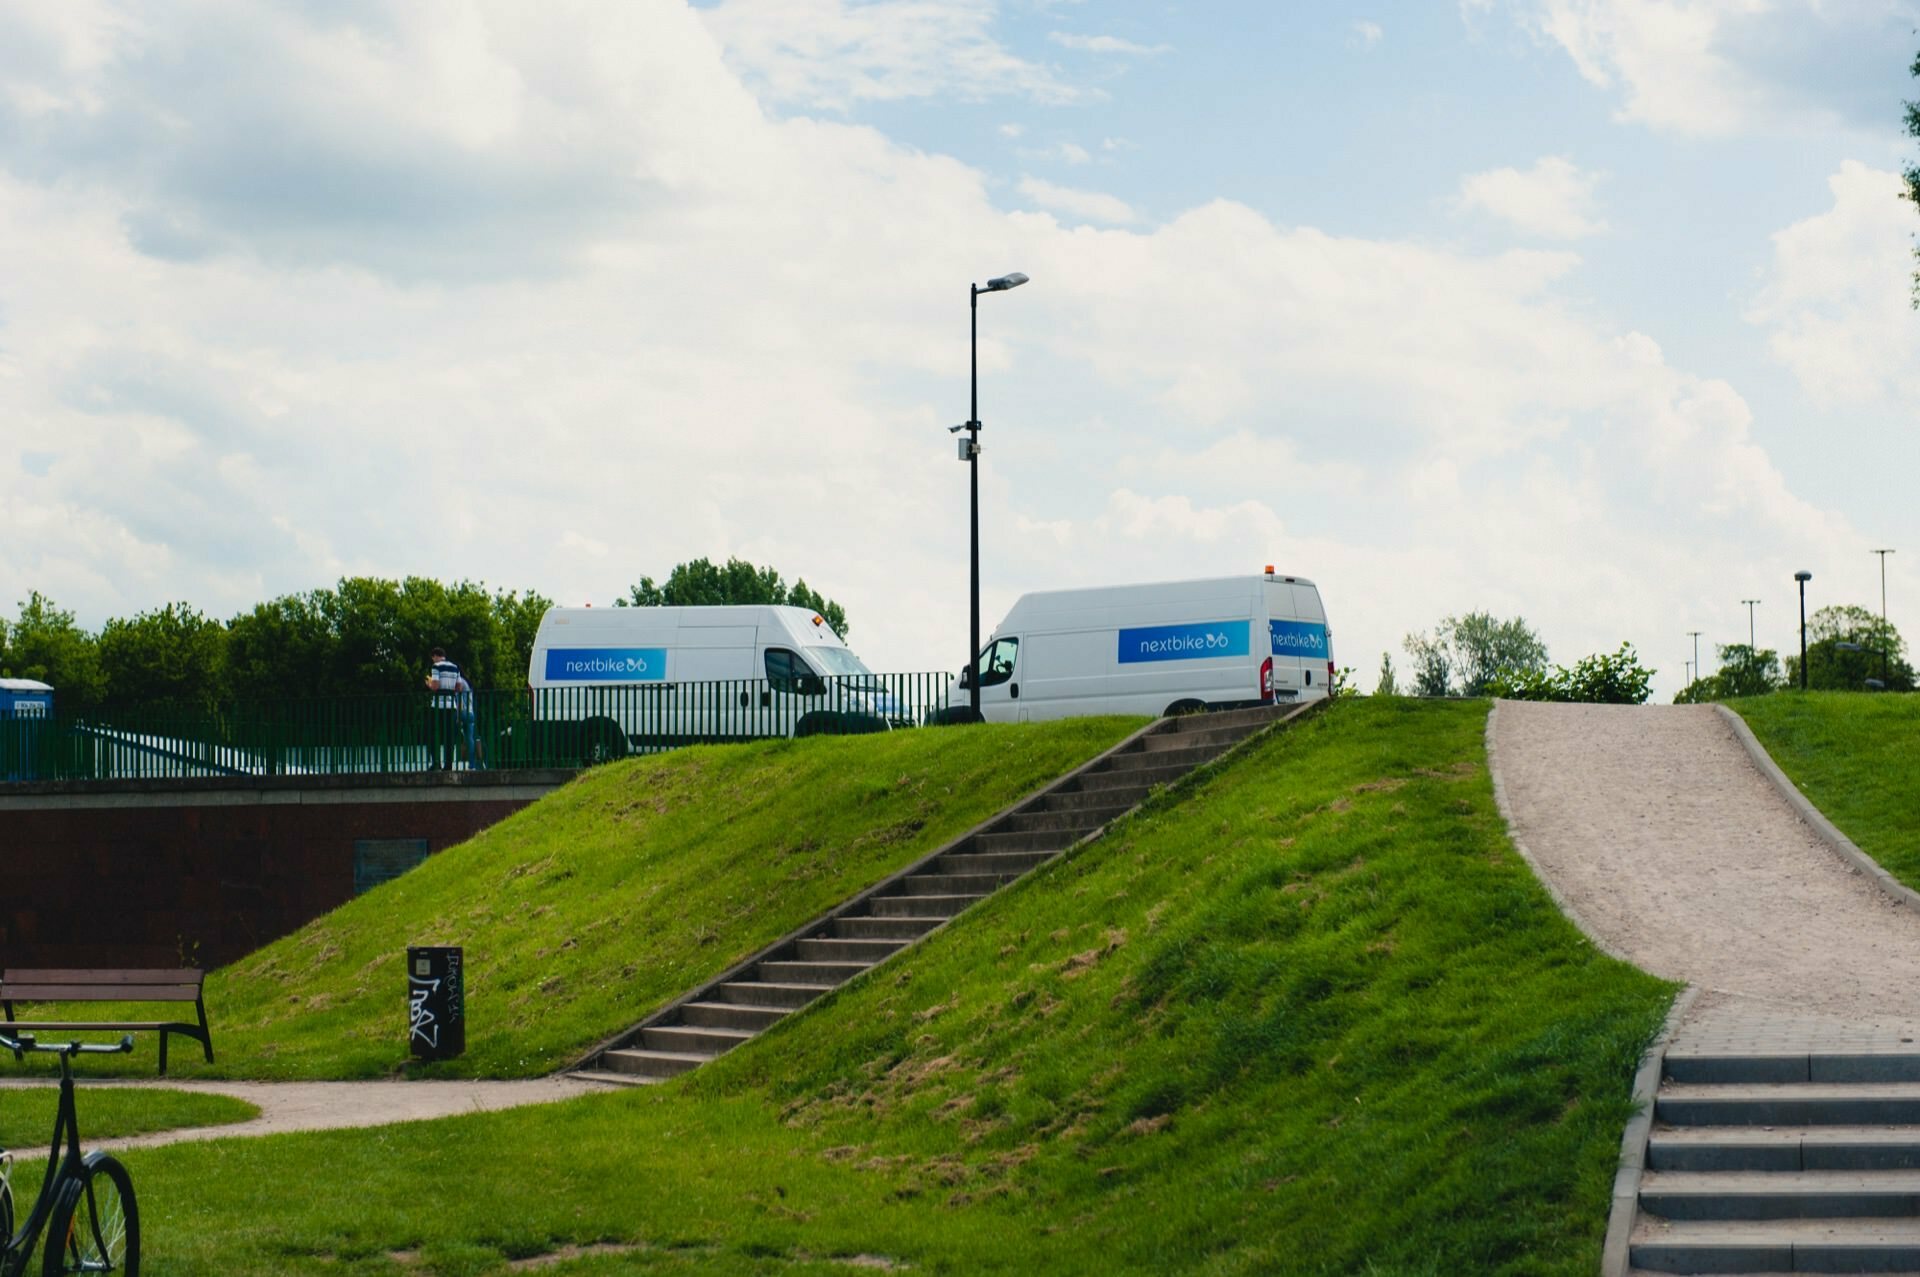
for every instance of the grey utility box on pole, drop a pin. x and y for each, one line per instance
(436, 1002)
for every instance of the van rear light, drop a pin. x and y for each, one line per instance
(1266, 680)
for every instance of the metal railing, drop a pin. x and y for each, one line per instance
(545, 727)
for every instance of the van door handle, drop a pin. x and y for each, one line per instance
(1013, 690)
(766, 699)
(743, 699)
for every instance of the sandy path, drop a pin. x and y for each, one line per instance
(312, 1106)
(1671, 850)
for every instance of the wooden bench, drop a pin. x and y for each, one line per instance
(175, 984)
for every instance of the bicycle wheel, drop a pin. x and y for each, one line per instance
(95, 1226)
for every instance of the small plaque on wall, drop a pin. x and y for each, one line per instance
(378, 860)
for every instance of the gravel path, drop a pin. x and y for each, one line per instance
(313, 1106)
(1668, 847)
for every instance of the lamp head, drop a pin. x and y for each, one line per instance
(1803, 576)
(1012, 279)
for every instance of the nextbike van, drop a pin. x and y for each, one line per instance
(640, 677)
(1170, 647)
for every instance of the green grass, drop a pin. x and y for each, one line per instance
(26, 1114)
(585, 911)
(1852, 755)
(1311, 1015)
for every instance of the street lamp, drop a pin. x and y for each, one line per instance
(970, 453)
(1750, 603)
(1803, 578)
(1885, 644)
(1696, 654)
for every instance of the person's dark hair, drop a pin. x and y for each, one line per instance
(439, 653)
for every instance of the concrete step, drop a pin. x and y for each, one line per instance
(908, 928)
(1188, 756)
(1785, 1148)
(919, 906)
(1790, 1104)
(730, 1015)
(1762, 1195)
(769, 993)
(610, 1078)
(693, 1039)
(825, 974)
(938, 884)
(1077, 821)
(1257, 717)
(999, 864)
(1824, 1066)
(652, 1064)
(1210, 737)
(1778, 1246)
(1138, 779)
(841, 949)
(1048, 840)
(1106, 798)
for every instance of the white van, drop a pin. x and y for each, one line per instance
(651, 677)
(1167, 648)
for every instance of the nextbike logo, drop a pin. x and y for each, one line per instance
(606, 664)
(1299, 638)
(1184, 642)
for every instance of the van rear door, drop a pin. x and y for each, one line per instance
(1297, 635)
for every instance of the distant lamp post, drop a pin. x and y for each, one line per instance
(1695, 635)
(970, 453)
(1803, 578)
(1885, 643)
(1750, 606)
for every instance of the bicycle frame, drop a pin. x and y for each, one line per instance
(60, 1169)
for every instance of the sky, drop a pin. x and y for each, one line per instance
(1594, 312)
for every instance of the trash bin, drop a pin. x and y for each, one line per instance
(436, 1002)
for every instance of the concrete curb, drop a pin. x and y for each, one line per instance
(1506, 814)
(1616, 1252)
(1812, 818)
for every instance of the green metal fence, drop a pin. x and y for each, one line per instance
(545, 727)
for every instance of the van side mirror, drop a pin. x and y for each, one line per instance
(966, 677)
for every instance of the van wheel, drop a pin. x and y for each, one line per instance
(602, 741)
(1179, 708)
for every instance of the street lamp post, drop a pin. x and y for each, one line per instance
(1884, 644)
(1750, 603)
(1695, 634)
(970, 453)
(1803, 578)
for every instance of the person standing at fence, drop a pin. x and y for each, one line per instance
(445, 681)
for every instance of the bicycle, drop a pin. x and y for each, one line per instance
(85, 1204)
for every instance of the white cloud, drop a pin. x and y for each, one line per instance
(1368, 34)
(1012, 130)
(1105, 44)
(1836, 299)
(1071, 153)
(1722, 67)
(1553, 199)
(1092, 206)
(832, 54)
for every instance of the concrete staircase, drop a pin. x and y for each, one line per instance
(1790, 1163)
(880, 922)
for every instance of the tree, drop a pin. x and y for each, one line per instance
(1848, 645)
(1912, 173)
(1468, 654)
(700, 584)
(1387, 686)
(1744, 671)
(173, 657)
(1615, 678)
(45, 644)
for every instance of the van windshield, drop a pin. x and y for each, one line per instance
(837, 661)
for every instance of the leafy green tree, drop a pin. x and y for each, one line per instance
(699, 583)
(172, 657)
(44, 643)
(1846, 646)
(1744, 671)
(1912, 172)
(1468, 653)
(1615, 678)
(1387, 685)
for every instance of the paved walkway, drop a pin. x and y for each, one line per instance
(312, 1106)
(1671, 850)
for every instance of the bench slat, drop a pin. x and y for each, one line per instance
(94, 1026)
(96, 993)
(82, 975)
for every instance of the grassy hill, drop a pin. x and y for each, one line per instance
(1852, 755)
(588, 909)
(1312, 1014)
